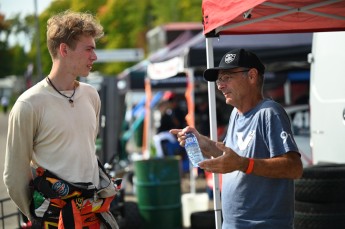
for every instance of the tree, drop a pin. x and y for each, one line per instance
(125, 23)
(14, 59)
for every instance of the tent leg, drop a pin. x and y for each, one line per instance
(213, 131)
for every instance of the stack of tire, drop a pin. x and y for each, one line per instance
(320, 197)
(203, 220)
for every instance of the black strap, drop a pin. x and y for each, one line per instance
(103, 169)
(67, 215)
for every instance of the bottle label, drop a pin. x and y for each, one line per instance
(193, 150)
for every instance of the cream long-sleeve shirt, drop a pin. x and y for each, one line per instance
(45, 130)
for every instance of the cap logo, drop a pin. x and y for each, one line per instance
(229, 58)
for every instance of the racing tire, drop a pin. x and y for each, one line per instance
(319, 216)
(132, 218)
(312, 208)
(203, 220)
(321, 184)
(324, 171)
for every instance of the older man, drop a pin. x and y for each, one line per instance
(259, 158)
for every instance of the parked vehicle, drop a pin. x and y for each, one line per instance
(327, 97)
(299, 116)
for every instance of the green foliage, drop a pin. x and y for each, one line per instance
(125, 24)
(20, 60)
(13, 59)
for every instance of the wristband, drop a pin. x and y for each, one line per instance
(250, 166)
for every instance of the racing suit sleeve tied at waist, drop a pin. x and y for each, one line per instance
(59, 204)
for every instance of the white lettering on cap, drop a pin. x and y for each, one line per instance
(229, 58)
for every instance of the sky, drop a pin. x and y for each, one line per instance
(11, 7)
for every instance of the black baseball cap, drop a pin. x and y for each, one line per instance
(234, 59)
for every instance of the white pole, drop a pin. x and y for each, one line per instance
(213, 131)
(38, 56)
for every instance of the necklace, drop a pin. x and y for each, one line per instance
(70, 100)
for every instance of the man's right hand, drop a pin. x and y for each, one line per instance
(181, 134)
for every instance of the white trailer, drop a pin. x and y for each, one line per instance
(327, 97)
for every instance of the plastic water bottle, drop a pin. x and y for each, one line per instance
(193, 150)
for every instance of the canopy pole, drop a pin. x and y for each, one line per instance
(190, 118)
(147, 120)
(213, 131)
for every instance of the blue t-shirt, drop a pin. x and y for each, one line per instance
(250, 201)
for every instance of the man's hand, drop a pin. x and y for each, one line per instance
(181, 134)
(207, 146)
(228, 162)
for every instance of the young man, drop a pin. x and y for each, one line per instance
(259, 158)
(52, 131)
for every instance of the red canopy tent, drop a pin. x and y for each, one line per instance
(230, 17)
(274, 16)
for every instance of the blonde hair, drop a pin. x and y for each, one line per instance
(68, 26)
